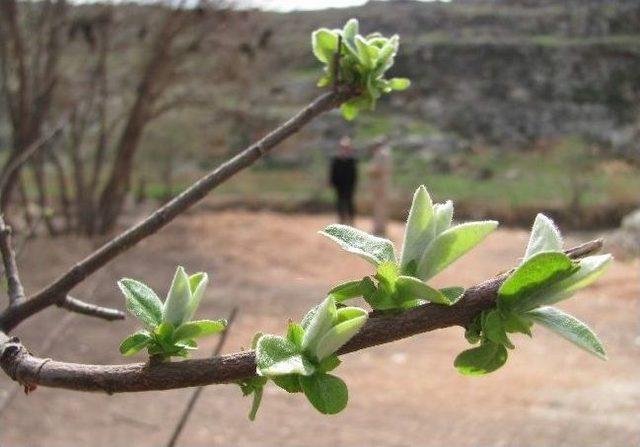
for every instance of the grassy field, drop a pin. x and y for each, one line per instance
(562, 176)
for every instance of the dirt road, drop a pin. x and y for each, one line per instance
(274, 267)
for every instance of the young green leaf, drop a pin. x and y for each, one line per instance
(419, 230)
(352, 289)
(350, 109)
(324, 43)
(349, 32)
(589, 270)
(198, 329)
(328, 394)
(569, 328)
(453, 294)
(410, 288)
(277, 356)
(142, 302)
(134, 343)
(482, 360)
(452, 244)
(329, 364)
(399, 83)
(532, 278)
(176, 306)
(255, 403)
(363, 52)
(339, 334)
(443, 215)
(372, 248)
(290, 383)
(545, 236)
(197, 284)
(323, 319)
(494, 329)
(514, 323)
(165, 331)
(295, 334)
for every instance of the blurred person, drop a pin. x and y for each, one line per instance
(380, 176)
(343, 177)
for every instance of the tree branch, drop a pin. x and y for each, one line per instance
(26, 154)
(91, 310)
(13, 316)
(14, 286)
(32, 371)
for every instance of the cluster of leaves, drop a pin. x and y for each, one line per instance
(545, 277)
(363, 63)
(169, 330)
(430, 245)
(300, 361)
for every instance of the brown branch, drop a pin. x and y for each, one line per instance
(24, 156)
(14, 286)
(75, 305)
(32, 371)
(10, 318)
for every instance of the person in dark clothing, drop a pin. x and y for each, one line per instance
(343, 178)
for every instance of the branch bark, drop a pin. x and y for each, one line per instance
(14, 286)
(91, 310)
(32, 371)
(11, 317)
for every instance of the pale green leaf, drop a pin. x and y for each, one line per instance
(443, 215)
(363, 53)
(277, 356)
(339, 334)
(372, 248)
(399, 83)
(589, 270)
(452, 244)
(295, 334)
(352, 289)
(350, 109)
(324, 43)
(200, 328)
(411, 288)
(176, 306)
(323, 319)
(569, 328)
(545, 236)
(197, 285)
(419, 231)
(142, 302)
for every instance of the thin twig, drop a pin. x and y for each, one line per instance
(26, 154)
(198, 391)
(14, 285)
(48, 296)
(29, 371)
(91, 310)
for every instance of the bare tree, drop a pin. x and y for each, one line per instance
(29, 78)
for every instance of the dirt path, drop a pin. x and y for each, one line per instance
(274, 267)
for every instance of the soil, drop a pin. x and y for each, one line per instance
(274, 267)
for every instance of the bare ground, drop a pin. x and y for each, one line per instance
(274, 267)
